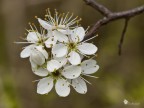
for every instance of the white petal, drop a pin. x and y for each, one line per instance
(62, 87)
(74, 58)
(89, 67)
(34, 66)
(26, 51)
(43, 51)
(59, 50)
(50, 33)
(62, 60)
(79, 85)
(63, 31)
(45, 85)
(51, 41)
(87, 48)
(60, 36)
(37, 57)
(44, 24)
(53, 65)
(71, 72)
(33, 37)
(41, 72)
(78, 34)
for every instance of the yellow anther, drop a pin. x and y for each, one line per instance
(36, 17)
(80, 19)
(49, 9)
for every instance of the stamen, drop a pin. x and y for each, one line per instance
(31, 26)
(22, 38)
(36, 31)
(27, 30)
(36, 17)
(49, 12)
(65, 18)
(90, 38)
(52, 20)
(69, 18)
(61, 21)
(43, 34)
(90, 76)
(34, 26)
(85, 80)
(56, 16)
(87, 29)
(73, 20)
(23, 42)
(94, 56)
(36, 80)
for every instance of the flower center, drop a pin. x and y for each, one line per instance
(56, 73)
(41, 40)
(72, 46)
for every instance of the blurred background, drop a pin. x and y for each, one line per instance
(120, 77)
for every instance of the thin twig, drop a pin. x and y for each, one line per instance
(115, 16)
(122, 36)
(102, 9)
(110, 16)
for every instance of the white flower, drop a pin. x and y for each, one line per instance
(59, 76)
(59, 22)
(88, 67)
(35, 50)
(72, 46)
(68, 71)
(36, 40)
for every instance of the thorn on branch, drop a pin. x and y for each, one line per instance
(122, 36)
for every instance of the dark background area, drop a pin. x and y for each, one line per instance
(120, 77)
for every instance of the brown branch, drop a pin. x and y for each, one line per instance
(103, 10)
(122, 36)
(110, 16)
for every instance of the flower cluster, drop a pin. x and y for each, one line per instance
(59, 54)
